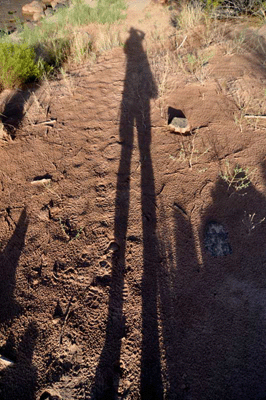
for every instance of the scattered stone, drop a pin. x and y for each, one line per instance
(35, 7)
(5, 362)
(41, 182)
(216, 240)
(179, 125)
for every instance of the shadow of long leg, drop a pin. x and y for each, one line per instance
(151, 381)
(108, 370)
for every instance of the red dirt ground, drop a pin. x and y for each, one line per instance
(107, 288)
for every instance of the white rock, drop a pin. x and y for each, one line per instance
(41, 182)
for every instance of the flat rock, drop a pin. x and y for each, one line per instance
(179, 125)
(33, 8)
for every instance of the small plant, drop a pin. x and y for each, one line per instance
(236, 43)
(195, 63)
(108, 38)
(249, 222)
(18, 65)
(67, 81)
(70, 232)
(162, 64)
(190, 16)
(188, 152)
(238, 178)
(79, 232)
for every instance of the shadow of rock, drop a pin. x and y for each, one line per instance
(13, 112)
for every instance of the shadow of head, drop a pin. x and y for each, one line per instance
(136, 34)
(133, 46)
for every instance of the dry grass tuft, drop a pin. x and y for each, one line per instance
(190, 16)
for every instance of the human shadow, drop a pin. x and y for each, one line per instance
(18, 381)
(213, 307)
(8, 263)
(139, 88)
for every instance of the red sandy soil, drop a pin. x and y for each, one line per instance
(107, 288)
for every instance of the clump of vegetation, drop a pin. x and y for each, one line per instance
(250, 223)
(238, 178)
(45, 48)
(190, 15)
(18, 65)
(237, 6)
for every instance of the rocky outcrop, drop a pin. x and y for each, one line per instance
(35, 7)
(38, 9)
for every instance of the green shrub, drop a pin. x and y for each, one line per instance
(18, 65)
(238, 6)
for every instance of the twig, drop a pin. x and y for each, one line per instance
(183, 41)
(51, 121)
(65, 320)
(255, 116)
